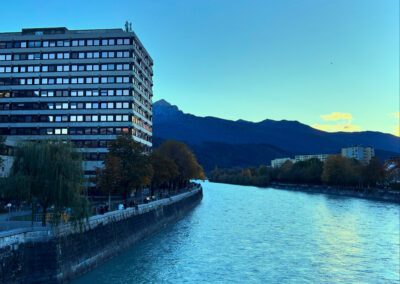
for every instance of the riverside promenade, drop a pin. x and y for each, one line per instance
(34, 232)
(60, 253)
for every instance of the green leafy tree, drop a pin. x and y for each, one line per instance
(185, 160)
(48, 173)
(127, 165)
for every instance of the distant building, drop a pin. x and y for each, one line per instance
(362, 154)
(321, 157)
(277, 163)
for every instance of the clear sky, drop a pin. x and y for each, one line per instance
(331, 64)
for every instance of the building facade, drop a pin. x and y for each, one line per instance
(321, 157)
(277, 163)
(86, 86)
(362, 154)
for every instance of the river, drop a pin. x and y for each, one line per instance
(250, 235)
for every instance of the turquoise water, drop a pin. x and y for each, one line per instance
(250, 235)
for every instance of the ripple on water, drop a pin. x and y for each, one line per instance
(245, 234)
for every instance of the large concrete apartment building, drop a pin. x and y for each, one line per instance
(86, 86)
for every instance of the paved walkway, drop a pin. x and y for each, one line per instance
(7, 224)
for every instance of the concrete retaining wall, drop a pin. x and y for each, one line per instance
(44, 256)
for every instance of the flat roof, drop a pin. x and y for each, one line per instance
(59, 31)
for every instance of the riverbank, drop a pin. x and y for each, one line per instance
(372, 193)
(56, 255)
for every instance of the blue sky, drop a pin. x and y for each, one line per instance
(330, 64)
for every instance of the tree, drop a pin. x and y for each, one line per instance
(108, 179)
(373, 173)
(2, 149)
(339, 170)
(127, 165)
(187, 164)
(308, 171)
(164, 171)
(284, 173)
(48, 173)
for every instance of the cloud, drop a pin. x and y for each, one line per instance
(339, 121)
(335, 116)
(345, 127)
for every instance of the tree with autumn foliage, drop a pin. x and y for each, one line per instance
(185, 160)
(127, 167)
(165, 171)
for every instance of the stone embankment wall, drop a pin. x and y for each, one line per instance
(56, 256)
(373, 194)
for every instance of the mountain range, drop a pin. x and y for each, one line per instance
(226, 143)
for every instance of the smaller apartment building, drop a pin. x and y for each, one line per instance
(362, 154)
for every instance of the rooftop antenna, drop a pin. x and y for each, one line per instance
(128, 26)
